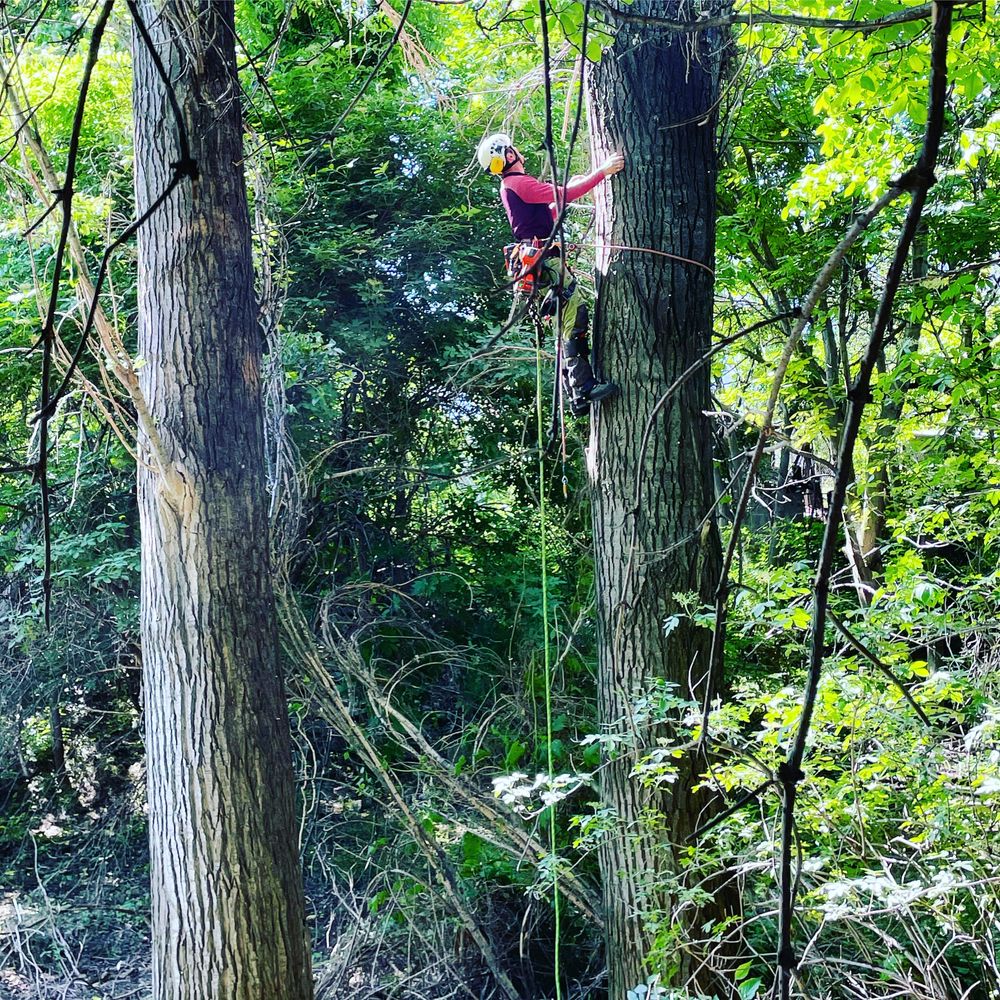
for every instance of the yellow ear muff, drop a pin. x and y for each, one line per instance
(497, 163)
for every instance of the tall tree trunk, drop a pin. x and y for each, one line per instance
(653, 95)
(227, 899)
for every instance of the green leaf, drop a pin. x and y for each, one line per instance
(514, 753)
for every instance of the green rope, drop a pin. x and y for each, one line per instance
(548, 653)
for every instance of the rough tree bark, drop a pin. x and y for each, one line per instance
(227, 898)
(655, 96)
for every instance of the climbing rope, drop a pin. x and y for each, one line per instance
(547, 647)
(560, 413)
(558, 234)
(658, 253)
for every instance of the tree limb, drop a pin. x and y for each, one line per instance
(861, 648)
(813, 298)
(922, 12)
(64, 196)
(790, 773)
(96, 318)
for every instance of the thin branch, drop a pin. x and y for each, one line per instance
(179, 175)
(921, 178)
(65, 197)
(53, 205)
(302, 646)
(745, 799)
(110, 341)
(664, 399)
(30, 141)
(861, 648)
(939, 276)
(352, 104)
(577, 892)
(820, 285)
(755, 15)
(184, 161)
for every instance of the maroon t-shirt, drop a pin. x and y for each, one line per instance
(532, 206)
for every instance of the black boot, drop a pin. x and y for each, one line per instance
(584, 389)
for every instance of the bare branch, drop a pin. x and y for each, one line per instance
(89, 292)
(820, 285)
(65, 197)
(861, 648)
(755, 15)
(400, 22)
(921, 178)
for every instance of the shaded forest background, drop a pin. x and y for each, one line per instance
(406, 518)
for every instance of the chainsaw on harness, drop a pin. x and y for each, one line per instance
(525, 267)
(522, 261)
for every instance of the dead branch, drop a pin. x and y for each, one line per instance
(301, 646)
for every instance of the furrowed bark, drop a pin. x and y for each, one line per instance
(653, 95)
(227, 900)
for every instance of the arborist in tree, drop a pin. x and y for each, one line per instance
(532, 208)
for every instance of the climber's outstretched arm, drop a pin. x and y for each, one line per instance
(536, 192)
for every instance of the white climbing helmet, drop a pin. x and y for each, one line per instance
(492, 152)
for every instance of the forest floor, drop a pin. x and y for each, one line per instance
(48, 952)
(71, 942)
(115, 983)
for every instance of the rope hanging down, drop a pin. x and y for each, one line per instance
(547, 654)
(558, 234)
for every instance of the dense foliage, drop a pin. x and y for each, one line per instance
(407, 516)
